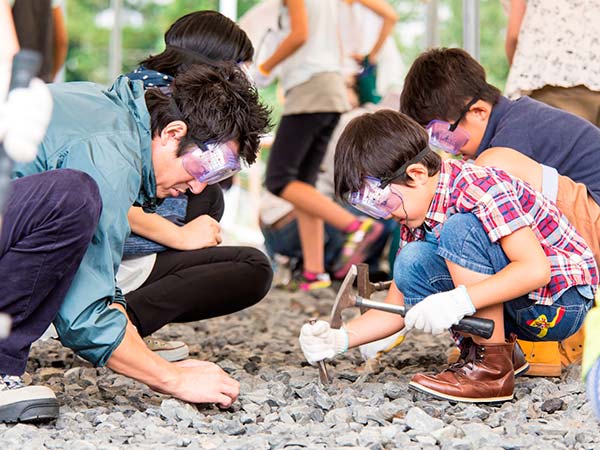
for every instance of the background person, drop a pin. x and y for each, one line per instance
(552, 47)
(309, 64)
(40, 26)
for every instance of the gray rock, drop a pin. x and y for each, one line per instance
(419, 420)
(552, 405)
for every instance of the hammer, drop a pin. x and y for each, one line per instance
(365, 286)
(345, 299)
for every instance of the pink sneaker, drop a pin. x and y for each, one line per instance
(356, 247)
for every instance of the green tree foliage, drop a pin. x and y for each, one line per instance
(88, 46)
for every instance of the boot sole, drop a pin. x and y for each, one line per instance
(523, 370)
(29, 411)
(544, 370)
(453, 398)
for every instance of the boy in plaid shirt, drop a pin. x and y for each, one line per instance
(558, 153)
(477, 242)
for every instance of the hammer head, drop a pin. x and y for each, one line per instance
(344, 299)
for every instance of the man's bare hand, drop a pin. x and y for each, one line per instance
(202, 232)
(204, 382)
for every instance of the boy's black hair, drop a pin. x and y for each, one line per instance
(201, 37)
(440, 82)
(218, 104)
(378, 144)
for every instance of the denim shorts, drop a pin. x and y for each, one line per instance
(421, 270)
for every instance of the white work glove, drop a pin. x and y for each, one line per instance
(319, 341)
(24, 119)
(372, 349)
(260, 78)
(438, 312)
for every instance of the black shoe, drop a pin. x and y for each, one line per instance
(20, 403)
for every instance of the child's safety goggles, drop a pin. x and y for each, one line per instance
(374, 200)
(213, 163)
(447, 136)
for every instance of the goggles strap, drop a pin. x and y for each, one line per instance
(402, 170)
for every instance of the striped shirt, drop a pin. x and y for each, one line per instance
(503, 205)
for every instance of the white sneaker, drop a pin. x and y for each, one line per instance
(170, 350)
(20, 403)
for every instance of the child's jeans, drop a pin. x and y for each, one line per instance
(420, 270)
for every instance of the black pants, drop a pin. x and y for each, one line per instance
(185, 286)
(47, 226)
(299, 148)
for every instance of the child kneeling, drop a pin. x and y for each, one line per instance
(476, 242)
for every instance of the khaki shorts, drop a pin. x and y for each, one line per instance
(582, 211)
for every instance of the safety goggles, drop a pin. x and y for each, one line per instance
(212, 163)
(374, 200)
(448, 137)
(376, 197)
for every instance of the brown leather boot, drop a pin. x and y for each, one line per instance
(520, 364)
(485, 375)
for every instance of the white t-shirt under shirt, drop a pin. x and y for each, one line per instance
(133, 272)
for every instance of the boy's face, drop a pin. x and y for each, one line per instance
(416, 196)
(415, 205)
(474, 122)
(172, 179)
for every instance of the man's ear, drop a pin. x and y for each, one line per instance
(174, 130)
(481, 110)
(417, 174)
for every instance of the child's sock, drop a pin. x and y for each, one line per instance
(355, 225)
(310, 276)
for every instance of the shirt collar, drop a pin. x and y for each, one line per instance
(439, 205)
(498, 111)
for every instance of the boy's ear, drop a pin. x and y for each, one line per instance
(174, 130)
(481, 110)
(417, 174)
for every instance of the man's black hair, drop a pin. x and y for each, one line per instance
(218, 104)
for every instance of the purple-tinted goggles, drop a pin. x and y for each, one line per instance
(447, 136)
(214, 163)
(374, 200)
(443, 137)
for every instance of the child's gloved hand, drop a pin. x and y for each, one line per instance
(438, 312)
(373, 349)
(24, 119)
(319, 341)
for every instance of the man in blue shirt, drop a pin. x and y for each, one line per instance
(132, 146)
(557, 152)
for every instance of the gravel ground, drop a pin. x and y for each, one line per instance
(282, 405)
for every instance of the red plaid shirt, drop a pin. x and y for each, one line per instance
(505, 204)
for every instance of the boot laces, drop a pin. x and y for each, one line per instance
(469, 356)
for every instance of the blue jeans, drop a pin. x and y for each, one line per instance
(421, 270)
(286, 242)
